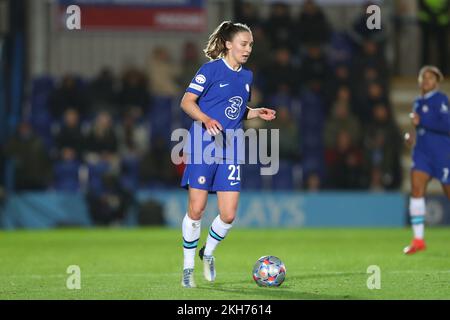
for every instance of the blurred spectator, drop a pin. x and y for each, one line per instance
(289, 143)
(313, 182)
(156, 165)
(260, 57)
(69, 95)
(340, 79)
(314, 69)
(111, 206)
(247, 13)
(341, 119)
(70, 135)
(163, 73)
(281, 75)
(102, 93)
(279, 27)
(373, 95)
(133, 92)
(101, 142)
(282, 98)
(340, 49)
(133, 135)
(190, 63)
(66, 171)
(383, 146)
(370, 64)
(345, 164)
(434, 18)
(313, 27)
(32, 166)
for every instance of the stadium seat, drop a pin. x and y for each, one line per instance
(284, 179)
(66, 176)
(251, 177)
(96, 172)
(129, 177)
(161, 117)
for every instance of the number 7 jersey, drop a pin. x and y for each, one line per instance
(431, 153)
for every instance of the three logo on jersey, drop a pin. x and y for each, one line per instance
(231, 112)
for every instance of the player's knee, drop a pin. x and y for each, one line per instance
(227, 217)
(196, 211)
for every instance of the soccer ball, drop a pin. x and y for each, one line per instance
(269, 271)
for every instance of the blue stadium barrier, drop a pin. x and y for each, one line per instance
(256, 209)
(37, 210)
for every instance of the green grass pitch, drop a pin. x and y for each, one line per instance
(146, 264)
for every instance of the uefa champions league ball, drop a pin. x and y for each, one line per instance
(269, 271)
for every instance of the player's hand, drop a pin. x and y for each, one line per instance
(415, 118)
(409, 139)
(213, 126)
(266, 114)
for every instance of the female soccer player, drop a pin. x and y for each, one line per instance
(216, 100)
(431, 154)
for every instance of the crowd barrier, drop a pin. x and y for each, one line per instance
(256, 209)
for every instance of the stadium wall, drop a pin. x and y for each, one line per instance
(256, 210)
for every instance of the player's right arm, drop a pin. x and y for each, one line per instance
(410, 139)
(198, 86)
(190, 106)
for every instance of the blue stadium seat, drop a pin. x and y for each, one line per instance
(284, 179)
(43, 84)
(42, 124)
(251, 177)
(66, 176)
(96, 173)
(161, 117)
(341, 49)
(129, 177)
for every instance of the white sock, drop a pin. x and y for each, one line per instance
(417, 214)
(191, 235)
(217, 233)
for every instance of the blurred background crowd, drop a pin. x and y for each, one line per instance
(110, 134)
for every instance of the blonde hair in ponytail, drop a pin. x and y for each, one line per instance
(216, 47)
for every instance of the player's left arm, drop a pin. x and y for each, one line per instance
(263, 113)
(439, 121)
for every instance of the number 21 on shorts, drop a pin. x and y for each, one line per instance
(235, 172)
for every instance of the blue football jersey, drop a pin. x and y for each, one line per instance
(223, 96)
(433, 130)
(431, 153)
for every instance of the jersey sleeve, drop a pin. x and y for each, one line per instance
(440, 120)
(201, 81)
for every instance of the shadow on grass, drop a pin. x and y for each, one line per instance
(327, 275)
(287, 291)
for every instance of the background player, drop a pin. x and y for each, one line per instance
(431, 154)
(217, 100)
